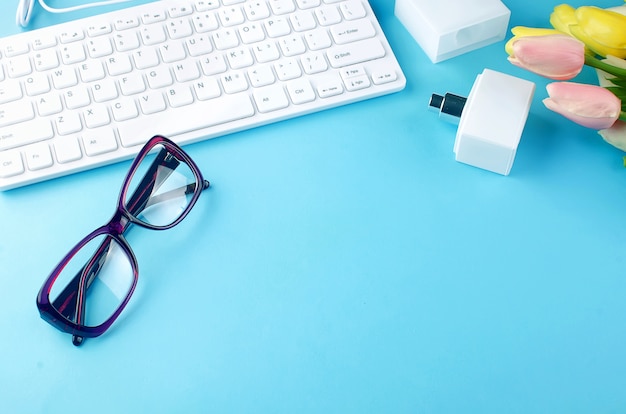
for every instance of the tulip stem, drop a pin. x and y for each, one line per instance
(608, 68)
(622, 116)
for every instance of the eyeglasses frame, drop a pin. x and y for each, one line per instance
(114, 229)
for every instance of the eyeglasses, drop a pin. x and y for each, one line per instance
(90, 287)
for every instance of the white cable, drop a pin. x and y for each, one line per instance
(25, 9)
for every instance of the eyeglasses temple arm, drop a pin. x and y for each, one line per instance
(138, 200)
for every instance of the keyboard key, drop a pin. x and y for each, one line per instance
(76, 98)
(292, 45)
(205, 22)
(18, 135)
(153, 34)
(73, 53)
(179, 96)
(204, 5)
(124, 109)
(152, 102)
(330, 87)
(381, 77)
(96, 116)
(15, 49)
(352, 31)
(179, 11)
(314, 63)
(207, 88)
(352, 9)
(328, 15)
(256, 10)
(99, 47)
(357, 52)
(68, 123)
(188, 118)
(308, 4)
(261, 76)
(270, 98)
(159, 77)
(234, 82)
(99, 29)
(99, 141)
(37, 84)
(119, 65)
(10, 164)
(44, 42)
(131, 84)
(64, 78)
(145, 58)
(126, 23)
(67, 150)
(225, 39)
(125, 41)
(199, 45)
(356, 82)
(302, 21)
(10, 91)
(231, 16)
(277, 27)
(179, 28)
(282, 6)
(71, 36)
(19, 66)
(46, 59)
(15, 112)
(38, 156)
(91, 71)
(300, 91)
(287, 69)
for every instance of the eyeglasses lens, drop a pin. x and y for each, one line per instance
(161, 189)
(102, 273)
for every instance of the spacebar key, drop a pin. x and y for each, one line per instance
(176, 121)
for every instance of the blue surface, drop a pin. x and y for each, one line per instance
(343, 262)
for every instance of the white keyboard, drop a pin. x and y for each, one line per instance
(90, 92)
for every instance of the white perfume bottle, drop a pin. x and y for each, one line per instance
(490, 121)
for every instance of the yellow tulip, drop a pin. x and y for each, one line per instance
(523, 31)
(563, 17)
(603, 31)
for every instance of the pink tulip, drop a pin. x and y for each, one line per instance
(554, 56)
(588, 105)
(615, 135)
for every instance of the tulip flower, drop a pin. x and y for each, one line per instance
(588, 105)
(603, 31)
(563, 17)
(615, 135)
(547, 53)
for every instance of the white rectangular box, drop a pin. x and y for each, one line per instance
(448, 28)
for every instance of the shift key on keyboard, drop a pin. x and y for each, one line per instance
(17, 135)
(357, 52)
(200, 114)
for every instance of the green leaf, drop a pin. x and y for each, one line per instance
(619, 82)
(617, 91)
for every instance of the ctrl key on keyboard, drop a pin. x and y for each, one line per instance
(10, 164)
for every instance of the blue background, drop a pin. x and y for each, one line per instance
(343, 262)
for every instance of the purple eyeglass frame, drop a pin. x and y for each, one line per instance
(71, 300)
